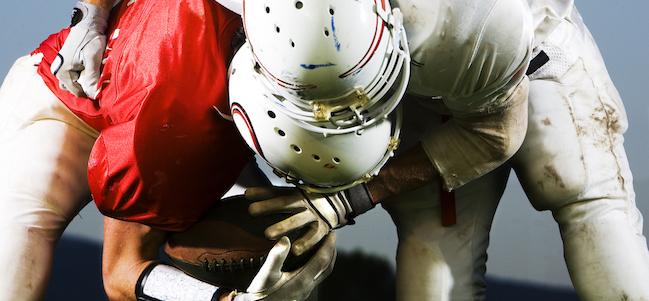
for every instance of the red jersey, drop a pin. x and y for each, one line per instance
(164, 155)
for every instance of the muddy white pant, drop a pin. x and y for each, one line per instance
(572, 162)
(44, 151)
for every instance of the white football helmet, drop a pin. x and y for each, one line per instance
(313, 89)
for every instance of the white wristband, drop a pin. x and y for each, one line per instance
(165, 282)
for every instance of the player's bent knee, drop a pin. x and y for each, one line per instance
(422, 272)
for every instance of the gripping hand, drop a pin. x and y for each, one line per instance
(272, 284)
(318, 212)
(78, 64)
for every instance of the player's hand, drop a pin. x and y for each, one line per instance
(318, 212)
(272, 284)
(78, 63)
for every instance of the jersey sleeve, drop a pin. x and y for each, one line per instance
(470, 146)
(474, 55)
(167, 155)
(159, 175)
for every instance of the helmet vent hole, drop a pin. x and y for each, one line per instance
(316, 158)
(299, 4)
(326, 32)
(271, 114)
(280, 132)
(331, 10)
(296, 149)
(336, 160)
(292, 43)
(267, 9)
(277, 28)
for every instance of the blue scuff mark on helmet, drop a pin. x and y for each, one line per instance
(314, 66)
(333, 28)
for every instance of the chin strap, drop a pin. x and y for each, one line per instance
(447, 198)
(160, 281)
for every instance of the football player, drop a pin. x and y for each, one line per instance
(146, 136)
(525, 87)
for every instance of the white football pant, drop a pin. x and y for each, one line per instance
(44, 151)
(572, 163)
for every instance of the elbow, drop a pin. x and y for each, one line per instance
(116, 284)
(509, 138)
(508, 148)
(516, 129)
(111, 285)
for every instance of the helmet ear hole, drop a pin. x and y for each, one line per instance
(296, 149)
(316, 158)
(280, 132)
(299, 4)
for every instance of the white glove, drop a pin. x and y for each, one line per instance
(78, 63)
(272, 284)
(319, 212)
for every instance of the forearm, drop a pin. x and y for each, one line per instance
(457, 152)
(404, 172)
(131, 253)
(469, 147)
(128, 249)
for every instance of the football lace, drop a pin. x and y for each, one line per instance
(233, 265)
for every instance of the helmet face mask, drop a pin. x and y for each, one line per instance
(332, 74)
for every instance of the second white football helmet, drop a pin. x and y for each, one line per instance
(315, 88)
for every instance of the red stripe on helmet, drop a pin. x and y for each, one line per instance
(376, 41)
(237, 110)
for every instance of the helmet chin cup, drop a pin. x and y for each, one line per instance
(316, 88)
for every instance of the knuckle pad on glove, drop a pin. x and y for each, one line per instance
(288, 225)
(263, 193)
(260, 208)
(274, 205)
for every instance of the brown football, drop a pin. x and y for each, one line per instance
(227, 246)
